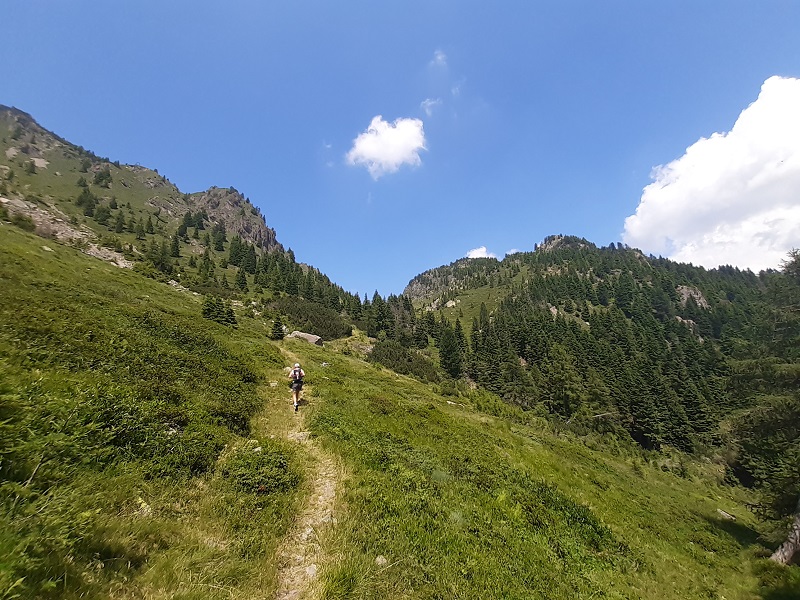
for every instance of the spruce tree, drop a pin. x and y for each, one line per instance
(249, 260)
(277, 329)
(241, 279)
(175, 249)
(449, 352)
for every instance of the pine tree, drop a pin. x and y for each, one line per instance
(463, 346)
(249, 260)
(229, 316)
(149, 227)
(449, 352)
(277, 329)
(241, 279)
(175, 249)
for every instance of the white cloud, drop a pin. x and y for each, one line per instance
(429, 104)
(439, 59)
(481, 252)
(733, 198)
(384, 147)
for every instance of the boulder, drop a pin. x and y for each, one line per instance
(309, 337)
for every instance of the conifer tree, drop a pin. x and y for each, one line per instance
(249, 259)
(229, 316)
(461, 339)
(241, 279)
(149, 227)
(277, 329)
(449, 352)
(175, 249)
(119, 224)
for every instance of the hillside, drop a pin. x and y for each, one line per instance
(44, 175)
(130, 470)
(572, 422)
(213, 242)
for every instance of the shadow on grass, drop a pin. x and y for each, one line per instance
(744, 535)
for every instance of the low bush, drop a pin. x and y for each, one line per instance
(260, 467)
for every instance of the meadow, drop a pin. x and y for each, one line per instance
(146, 453)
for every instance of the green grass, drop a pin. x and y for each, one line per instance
(460, 502)
(117, 405)
(129, 430)
(468, 302)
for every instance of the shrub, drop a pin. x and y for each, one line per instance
(23, 222)
(260, 467)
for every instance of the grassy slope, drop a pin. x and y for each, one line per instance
(128, 399)
(468, 302)
(459, 502)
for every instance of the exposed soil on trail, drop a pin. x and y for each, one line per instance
(302, 554)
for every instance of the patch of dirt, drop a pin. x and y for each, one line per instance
(115, 258)
(302, 553)
(52, 223)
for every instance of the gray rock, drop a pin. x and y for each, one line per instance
(309, 337)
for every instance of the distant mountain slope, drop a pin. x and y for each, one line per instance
(214, 242)
(42, 168)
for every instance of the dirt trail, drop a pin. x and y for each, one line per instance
(303, 553)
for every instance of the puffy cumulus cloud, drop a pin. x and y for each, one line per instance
(733, 198)
(481, 252)
(429, 104)
(385, 147)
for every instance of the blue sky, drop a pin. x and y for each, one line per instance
(500, 123)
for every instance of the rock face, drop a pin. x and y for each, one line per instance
(240, 217)
(26, 142)
(685, 292)
(309, 337)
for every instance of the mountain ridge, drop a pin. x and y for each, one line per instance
(28, 143)
(572, 422)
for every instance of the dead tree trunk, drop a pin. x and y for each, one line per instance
(791, 546)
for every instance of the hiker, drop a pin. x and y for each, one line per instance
(296, 383)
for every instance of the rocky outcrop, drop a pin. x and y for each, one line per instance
(309, 337)
(685, 292)
(240, 217)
